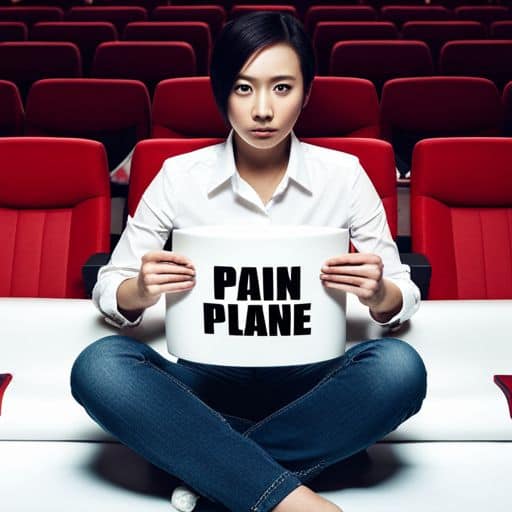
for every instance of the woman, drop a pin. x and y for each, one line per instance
(248, 439)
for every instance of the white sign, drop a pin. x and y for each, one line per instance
(258, 298)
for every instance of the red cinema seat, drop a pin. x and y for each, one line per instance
(483, 13)
(25, 62)
(239, 10)
(340, 107)
(196, 33)
(186, 108)
(317, 13)
(507, 107)
(118, 15)
(148, 158)
(114, 112)
(501, 30)
(148, 61)
(327, 33)
(13, 31)
(32, 14)
(54, 213)
(377, 159)
(417, 108)
(125, 3)
(436, 33)
(490, 59)
(11, 110)
(86, 35)
(214, 15)
(379, 61)
(400, 14)
(461, 215)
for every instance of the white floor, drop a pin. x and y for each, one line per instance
(421, 477)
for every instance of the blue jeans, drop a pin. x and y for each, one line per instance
(247, 437)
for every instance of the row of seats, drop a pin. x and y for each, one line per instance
(119, 113)
(88, 35)
(216, 15)
(151, 61)
(54, 208)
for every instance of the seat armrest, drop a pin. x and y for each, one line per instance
(505, 384)
(420, 270)
(91, 268)
(5, 378)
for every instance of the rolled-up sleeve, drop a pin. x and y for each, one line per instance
(146, 231)
(369, 232)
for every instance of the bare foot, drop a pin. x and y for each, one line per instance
(303, 499)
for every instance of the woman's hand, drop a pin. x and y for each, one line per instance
(160, 272)
(362, 275)
(164, 272)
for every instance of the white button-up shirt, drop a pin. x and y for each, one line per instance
(321, 187)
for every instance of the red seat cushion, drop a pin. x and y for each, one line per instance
(54, 213)
(461, 215)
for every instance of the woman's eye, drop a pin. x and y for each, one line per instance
(286, 87)
(237, 87)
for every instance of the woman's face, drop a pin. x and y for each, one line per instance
(267, 93)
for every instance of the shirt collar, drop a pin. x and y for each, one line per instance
(297, 169)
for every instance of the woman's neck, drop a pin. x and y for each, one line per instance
(263, 169)
(260, 162)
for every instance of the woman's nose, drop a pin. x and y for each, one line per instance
(262, 108)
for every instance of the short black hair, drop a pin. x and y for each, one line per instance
(242, 36)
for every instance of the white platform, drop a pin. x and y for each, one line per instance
(424, 477)
(54, 457)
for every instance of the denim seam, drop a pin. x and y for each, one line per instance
(184, 387)
(278, 481)
(305, 472)
(297, 400)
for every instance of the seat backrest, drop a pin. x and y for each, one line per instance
(340, 107)
(490, 59)
(32, 14)
(483, 13)
(381, 60)
(214, 15)
(54, 213)
(327, 33)
(114, 112)
(13, 31)
(461, 215)
(148, 158)
(436, 33)
(507, 109)
(25, 62)
(416, 108)
(148, 61)
(239, 10)
(196, 33)
(185, 107)
(501, 30)
(400, 14)
(11, 110)
(317, 13)
(118, 15)
(87, 35)
(377, 159)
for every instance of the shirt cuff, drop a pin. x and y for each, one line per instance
(106, 302)
(410, 303)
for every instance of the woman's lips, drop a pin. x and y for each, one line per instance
(263, 133)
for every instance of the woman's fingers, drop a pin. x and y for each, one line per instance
(150, 279)
(167, 257)
(369, 271)
(167, 268)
